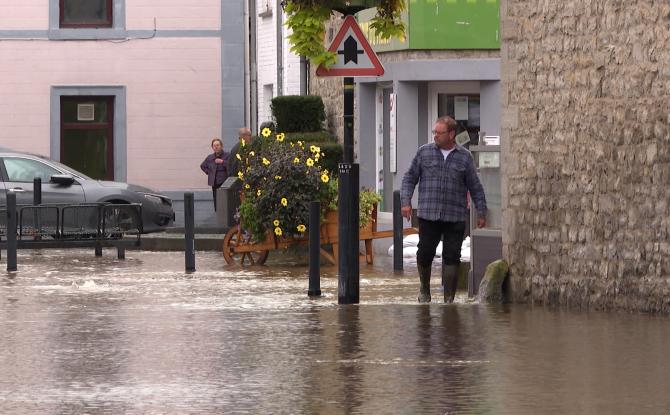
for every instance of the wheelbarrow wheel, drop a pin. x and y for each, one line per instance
(235, 237)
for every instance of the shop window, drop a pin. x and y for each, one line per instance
(85, 13)
(464, 109)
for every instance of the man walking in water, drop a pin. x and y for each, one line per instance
(445, 172)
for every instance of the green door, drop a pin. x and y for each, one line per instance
(87, 135)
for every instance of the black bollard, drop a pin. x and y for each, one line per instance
(121, 252)
(98, 250)
(397, 232)
(11, 231)
(314, 289)
(189, 232)
(37, 191)
(348, 272)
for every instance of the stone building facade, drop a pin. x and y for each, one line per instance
(586, 152)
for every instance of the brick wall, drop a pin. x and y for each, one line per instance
(586, 152)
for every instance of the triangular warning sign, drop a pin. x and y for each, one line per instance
(355, 57)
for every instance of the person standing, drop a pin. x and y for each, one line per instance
(214, 166)
(445, 172)
(233, 162)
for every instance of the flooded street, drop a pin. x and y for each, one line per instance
(87, 335)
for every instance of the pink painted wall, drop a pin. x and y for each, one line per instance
(173, 86)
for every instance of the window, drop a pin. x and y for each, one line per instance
(26, 170)
(464, 108)
(86, 13)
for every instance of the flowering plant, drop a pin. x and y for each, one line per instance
(279, 179)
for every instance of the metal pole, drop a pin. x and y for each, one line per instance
(37, 191)
(189, 232)
(348, 270)
(348, 281)
(397, 232)
(314, 248)
(11, 231)
(37, 200)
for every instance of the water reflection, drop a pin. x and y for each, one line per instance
(81, 334)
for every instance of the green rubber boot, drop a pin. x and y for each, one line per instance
(424, 278)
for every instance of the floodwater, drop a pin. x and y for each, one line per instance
(87, 335)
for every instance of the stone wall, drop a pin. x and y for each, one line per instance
(586, 152)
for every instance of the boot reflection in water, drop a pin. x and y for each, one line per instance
(424, 279)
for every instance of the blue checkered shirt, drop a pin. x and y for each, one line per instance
(443, 184)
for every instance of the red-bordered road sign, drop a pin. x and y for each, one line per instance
(355, 57)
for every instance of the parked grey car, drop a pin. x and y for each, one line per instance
(64, 185)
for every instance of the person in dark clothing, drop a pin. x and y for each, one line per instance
(233, 162)
(214, 166)
(445, 172)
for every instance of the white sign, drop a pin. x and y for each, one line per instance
(393, 167)
(461, 108)
(355, 57)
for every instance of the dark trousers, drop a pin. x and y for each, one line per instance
(216, 186)
(430, 234)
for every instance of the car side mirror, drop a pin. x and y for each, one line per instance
(62, 179)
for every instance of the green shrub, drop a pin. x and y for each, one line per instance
(298, 113)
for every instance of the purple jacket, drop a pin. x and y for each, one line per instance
(216, 173)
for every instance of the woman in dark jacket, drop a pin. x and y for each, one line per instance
(214, 167)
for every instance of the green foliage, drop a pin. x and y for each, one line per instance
(298, 113)
(367, 200)
(330, 148)
(279, 181)
(306, 19)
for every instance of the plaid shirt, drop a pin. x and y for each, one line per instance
(443, 184)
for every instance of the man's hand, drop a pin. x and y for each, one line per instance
(481, 222)
(406, 212)
(218, 161)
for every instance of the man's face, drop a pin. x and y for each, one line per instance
(444, 138)
(216, 146)
(246, 137)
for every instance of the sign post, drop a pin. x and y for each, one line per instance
(354, 58)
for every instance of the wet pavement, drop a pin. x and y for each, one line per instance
(87, 335)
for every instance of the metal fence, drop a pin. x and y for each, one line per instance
(81, 221)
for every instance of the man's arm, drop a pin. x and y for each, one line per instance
(204, 166)
(474, 186)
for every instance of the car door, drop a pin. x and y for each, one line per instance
(19, 173)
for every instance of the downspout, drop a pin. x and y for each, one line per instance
(304, 73)
(280, 49)
(253, 69)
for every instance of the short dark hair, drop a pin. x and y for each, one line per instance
(215, 140)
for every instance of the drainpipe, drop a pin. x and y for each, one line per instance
(304, 73)
(253, 69)
(280, 51)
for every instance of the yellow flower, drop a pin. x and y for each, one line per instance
(310, 162)
(266, 132)
(240, 175)
(238, 156)
(325, 178)
(284, 202)
(243, 142)
(316, 157)
(266, 161)
(277, 177)
(312, 148)
(280, 137)
(301, 228)
(322, 154)
(258, 192)
(251, 153)
(246, 186)
(296, 160)
(300, 143)
(275, 222)
(278, 231)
